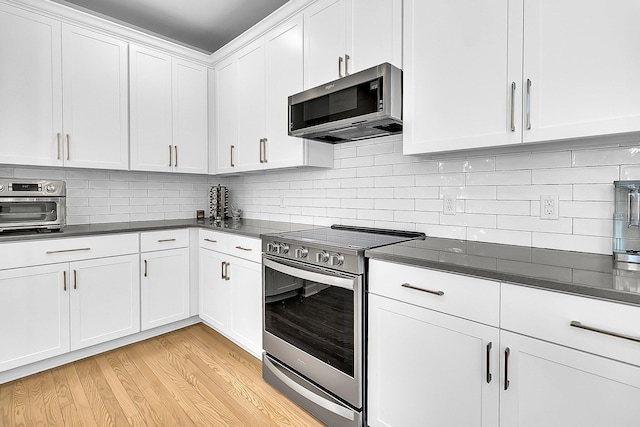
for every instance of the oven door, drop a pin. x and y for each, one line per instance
(313, 324)
(31, 212)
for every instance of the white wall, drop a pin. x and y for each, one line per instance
(97, 196)
(373, 184)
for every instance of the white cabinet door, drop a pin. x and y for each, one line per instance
(376, 34)
(581, 58)
(105, 299)
(429, 368)
(190, 117)
(226, 127)
(461, 60)
(284, 77)
(214, 291)
(150, 104)
(164, 287)
(30, 88)
(34, 314)
(325, 41)
(96, 100)
(555, 386)
(245, 278)
(251, 117)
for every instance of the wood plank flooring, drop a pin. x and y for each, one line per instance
(190, 377)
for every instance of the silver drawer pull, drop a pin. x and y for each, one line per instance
(166, 240)
(68, 250)
(244, 249)
(579, 325)
(209, 240)
(406, 285)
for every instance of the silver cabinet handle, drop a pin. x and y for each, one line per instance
(222, 276)
(68, 147)
(225, 270)
(67, 250)
(579, 325)
(340, 67)
(261, 154)
(528, 104)
(145, 268)
(408, 286)
(507, 352)
(513, 106)
(175, 148)
(166, 240)
(231, 155)
(209, 240)
(58, 137)
(489, 376)
(75, 279)
(244, 249)
(346, 64)
(64, 279)
(170, 156)
(264, 149)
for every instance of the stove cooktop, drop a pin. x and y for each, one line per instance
(347, 237)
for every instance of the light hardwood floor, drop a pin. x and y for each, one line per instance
(190, 377)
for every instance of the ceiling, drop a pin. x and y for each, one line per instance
(205, 25)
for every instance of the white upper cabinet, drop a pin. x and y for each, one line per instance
(92, 69)
(190, 117)
(581, 57)
(513, 71)
(459, 61)
(95, 93)
(168, 113)
(30, 88)
(345, 36)
(251, 94)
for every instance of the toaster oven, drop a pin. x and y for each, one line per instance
(32, 204)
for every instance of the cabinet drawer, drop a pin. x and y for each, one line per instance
(245, 247)
(214, 240)
(49, 251)
(548, 316)
(166, 239)
(463, 296)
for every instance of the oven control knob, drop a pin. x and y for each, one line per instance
(1, 187)
(283, 249)
(302, 252)
(336, 259)
(271, 247)
(322, 256)
(50, 188)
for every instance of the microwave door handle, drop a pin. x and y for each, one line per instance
(340, 282)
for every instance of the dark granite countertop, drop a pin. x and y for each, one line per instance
(245, 227)
(577, 273)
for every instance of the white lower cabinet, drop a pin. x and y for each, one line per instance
(34, 314)
(555, 386)
(164, 287)
(231, 290)
(105, 299)
(430, 369)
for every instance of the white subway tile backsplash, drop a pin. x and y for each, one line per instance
(491, 235)
(593, 192)
(504, 207)
(533, 192)
(416, 192)
(451, 179)
(469, 220)
(530, 223)
(519, 177)
(476, 192)
(560, 159)
(593, 227)
(577, 243)
(395, 204)
(593, 210)
(609, 156)
(578, 175)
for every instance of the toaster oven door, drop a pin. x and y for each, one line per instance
(31, 212)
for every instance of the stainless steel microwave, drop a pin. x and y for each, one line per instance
(32, 204)
(363, 105)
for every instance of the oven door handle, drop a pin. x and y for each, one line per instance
(305, 274)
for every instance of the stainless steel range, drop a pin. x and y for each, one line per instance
(314, 317)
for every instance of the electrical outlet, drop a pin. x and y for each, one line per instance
(548, 207)
(449, 204)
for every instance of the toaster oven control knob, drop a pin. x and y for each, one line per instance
(50, 188)
(283, 249)
(336, 259)
(322, 256)
(302, 252)
(271, 247)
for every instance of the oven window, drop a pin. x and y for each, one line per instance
(354, 101)
(31, 212)
(314, 317)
